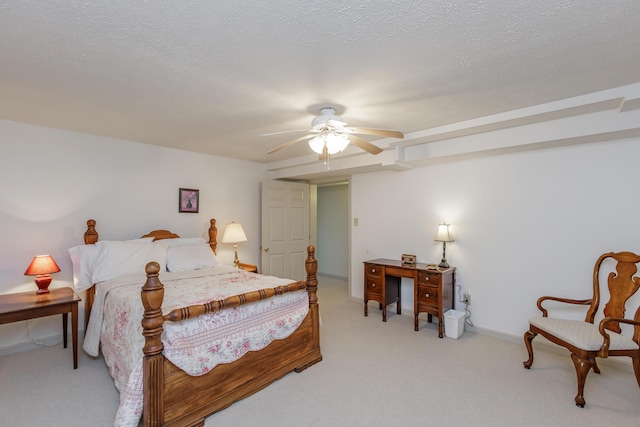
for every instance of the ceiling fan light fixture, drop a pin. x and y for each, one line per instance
(329, 134)
(317, 144)
(336, 142)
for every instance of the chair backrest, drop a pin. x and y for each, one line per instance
(622, 285)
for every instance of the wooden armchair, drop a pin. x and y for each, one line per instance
(586, 340)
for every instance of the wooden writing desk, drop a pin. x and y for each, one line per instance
(29, 305)
(433, 290)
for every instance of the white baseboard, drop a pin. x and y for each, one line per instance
(540, 342)
(333, 276)
(32, 344)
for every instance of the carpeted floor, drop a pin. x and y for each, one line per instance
(373, 374)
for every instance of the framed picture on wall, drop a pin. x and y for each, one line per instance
(188, 200)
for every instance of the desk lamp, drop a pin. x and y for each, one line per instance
(233, 233)
(444, 235)
(41, 267)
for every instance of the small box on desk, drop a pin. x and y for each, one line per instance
(408, 259)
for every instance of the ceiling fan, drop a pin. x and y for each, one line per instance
(329, 134)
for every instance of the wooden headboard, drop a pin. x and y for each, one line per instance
(91, 237)
(166, 234)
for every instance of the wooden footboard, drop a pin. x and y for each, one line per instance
(172, 397)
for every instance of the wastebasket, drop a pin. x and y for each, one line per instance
(454, 324)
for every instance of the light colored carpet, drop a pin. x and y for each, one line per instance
(373, 374)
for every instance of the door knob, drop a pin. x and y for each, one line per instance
(266, 249)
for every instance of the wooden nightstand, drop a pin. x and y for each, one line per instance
(248, 267)
(29, 305)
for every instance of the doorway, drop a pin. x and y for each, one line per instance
(333, 237)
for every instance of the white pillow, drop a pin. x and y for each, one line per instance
(159, 254)
(192, 257)
(115, 259)
(183, 241)
(82, 258)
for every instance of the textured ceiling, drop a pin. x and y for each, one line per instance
(211, 76)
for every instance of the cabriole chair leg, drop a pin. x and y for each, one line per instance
(528, 337)
(582, 369)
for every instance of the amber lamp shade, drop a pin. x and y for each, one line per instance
(41, 267)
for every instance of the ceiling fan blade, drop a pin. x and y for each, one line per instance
(287, 131)
(371, 131)
(365, 145)
(287, 144)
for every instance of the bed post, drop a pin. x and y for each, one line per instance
(152, 295)
(213, 236)
(90, 238)
(311, 266)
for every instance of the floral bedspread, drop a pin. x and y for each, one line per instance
(194, 345)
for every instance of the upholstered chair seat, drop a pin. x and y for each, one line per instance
(582, 334)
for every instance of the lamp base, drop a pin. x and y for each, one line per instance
(443, 264)
(43, 281)
(236, 261)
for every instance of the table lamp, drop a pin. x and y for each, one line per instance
(233, 233)
(41, 267)
(444, 235)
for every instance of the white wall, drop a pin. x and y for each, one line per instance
(526, 224)
(53, 181)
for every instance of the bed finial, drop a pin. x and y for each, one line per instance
(91, 235)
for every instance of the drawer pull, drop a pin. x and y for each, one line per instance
(373, 270)
(373, 285)
(427, 295)
(426, 279)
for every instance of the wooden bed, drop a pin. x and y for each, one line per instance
(174, 398)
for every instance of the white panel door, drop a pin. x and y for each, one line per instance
(285, 228)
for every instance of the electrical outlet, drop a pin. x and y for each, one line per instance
(466, 298)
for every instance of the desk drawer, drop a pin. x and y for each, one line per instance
(427, 295)
(373, 285)
(373, 270)
(400, 272)
(429, 278)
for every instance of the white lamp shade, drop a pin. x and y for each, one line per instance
(317, 144)
(233, 233)
(444, 233)
(336, 142)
